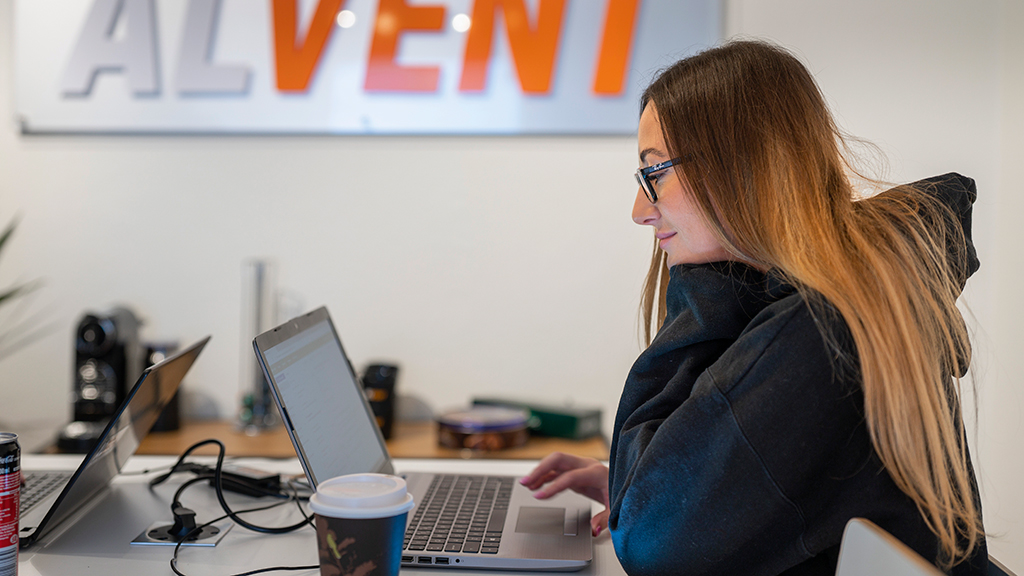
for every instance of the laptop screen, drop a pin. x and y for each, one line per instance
(321, 399)
(122, 436)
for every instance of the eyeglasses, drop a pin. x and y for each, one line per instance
(643, 177)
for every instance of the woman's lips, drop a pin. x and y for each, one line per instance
(663, 237)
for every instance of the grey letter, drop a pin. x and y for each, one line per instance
(97, 50)
(196, 72)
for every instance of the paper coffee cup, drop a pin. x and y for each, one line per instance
(360, 524)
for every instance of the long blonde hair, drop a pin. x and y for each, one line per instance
(768, 168)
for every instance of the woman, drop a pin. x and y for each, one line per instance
(808, 347)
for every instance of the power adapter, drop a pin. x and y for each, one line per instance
(248, 481)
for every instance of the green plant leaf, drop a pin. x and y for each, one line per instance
(24, 333)
(11, 293)
(16, 331)
(7, 233)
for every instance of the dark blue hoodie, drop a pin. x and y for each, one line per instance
(740, 443)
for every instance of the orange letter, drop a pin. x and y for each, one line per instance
(533, 49)
(393, 18)
(615, 45)
(295, 64)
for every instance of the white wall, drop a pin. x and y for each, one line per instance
(1002, 415)
(495, 265)
(481, 265)
(940, 87)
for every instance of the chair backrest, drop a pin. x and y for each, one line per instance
(868, 550)
(996, 568)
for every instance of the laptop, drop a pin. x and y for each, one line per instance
(334, 433)
(61, 493)
(867, 550)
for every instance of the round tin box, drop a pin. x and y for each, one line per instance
(483, 428)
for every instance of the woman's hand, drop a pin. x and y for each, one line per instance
(585, 476)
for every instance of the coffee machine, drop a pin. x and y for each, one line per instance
(108, 361)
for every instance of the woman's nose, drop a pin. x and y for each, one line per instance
(644, 212)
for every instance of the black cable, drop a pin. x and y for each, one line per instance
(298, 502)
(199, 528)
(218, 484)
(219, 488)
(276, 568)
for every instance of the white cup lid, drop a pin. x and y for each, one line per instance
(361, 496)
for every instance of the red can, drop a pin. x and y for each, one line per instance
(10, 499)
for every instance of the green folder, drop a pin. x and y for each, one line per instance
(548, 420)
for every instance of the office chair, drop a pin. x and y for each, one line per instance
(996, 568)
(868, 550)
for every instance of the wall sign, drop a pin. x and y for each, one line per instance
(347, 66)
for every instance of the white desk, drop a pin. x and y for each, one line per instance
(64, 551)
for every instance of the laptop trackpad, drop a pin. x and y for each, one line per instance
(538, 520)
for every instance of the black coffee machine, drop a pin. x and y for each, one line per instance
(108, 361)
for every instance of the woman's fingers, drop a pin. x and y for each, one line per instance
(550, 467)
(599, 523)
(557, 484)
(590, 481)
(538, 478)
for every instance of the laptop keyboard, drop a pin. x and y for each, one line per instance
(461, 514)
(38, 485)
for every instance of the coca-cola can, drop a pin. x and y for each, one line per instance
(10, 499)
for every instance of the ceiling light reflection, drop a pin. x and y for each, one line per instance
(346, 18)
(460, 22)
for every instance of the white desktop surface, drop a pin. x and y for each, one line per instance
(60, 552)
